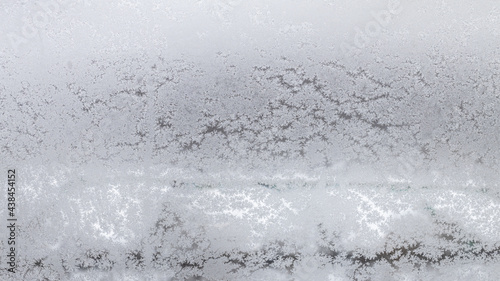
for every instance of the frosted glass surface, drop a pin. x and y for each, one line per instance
(251, 140)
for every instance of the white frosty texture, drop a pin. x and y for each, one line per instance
(103, 224)
(206, 86)
(253, 140)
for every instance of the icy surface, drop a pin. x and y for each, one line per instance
(252, 140)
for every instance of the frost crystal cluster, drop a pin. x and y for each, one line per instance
(251, 140)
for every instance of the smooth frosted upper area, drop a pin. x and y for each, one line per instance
(373, 91)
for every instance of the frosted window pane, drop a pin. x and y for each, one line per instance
(250, 140)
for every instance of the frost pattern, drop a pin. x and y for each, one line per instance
(322, 118)
(252, 147)
(112, 225)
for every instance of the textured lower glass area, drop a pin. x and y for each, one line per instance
(263, 140)
(142, 224)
